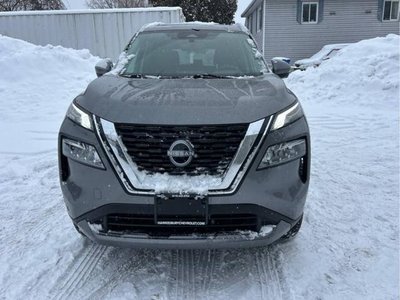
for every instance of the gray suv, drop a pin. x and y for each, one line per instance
(190, 141)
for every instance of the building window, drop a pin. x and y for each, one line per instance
(250, 24)
(260, 18)
(309, 13)
(390, 10)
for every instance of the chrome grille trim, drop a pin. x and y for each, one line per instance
(238, 177)
(213, 147)
(125, 168)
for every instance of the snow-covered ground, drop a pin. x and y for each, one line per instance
(348, 247)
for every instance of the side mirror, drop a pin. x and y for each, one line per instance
(280, 68)
(103, 66)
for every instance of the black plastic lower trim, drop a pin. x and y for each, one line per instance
(263, 214)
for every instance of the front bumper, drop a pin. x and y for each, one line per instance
(245, 225)
(231, 240)
(279, 190)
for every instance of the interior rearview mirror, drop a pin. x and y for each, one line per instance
(103, 66)
(280, 68)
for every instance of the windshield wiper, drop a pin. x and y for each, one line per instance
(208, 75)
(133, 75)
(195, 76)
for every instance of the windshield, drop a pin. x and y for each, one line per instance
(191, 53)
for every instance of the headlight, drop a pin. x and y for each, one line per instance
(81, 152)
(283, 153)
(290, 115)
(78, 116)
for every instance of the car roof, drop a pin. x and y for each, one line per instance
(195, 26)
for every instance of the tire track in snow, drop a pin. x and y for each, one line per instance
(86, 273)
(215, 278)
(70, 271)
(73, 272)
(179, 286)
(206, 261)
(193, 275)
(210, 268)
(261, 276)
(76, 275)
(270, 270)
(287, 292)
(171, 288)
(271, 277)
(184, 282)
(44, 222)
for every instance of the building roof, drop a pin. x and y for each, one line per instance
(87, 11)
(252, 6)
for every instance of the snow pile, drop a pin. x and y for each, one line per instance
(199, 184)
(36, 86)
(252, 235)
(350, 233)
(30, 64)
(365, 73)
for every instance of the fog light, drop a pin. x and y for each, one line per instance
(81, 152)
(283, 153)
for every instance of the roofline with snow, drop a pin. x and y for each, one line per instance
(88, 11)
(249, 9)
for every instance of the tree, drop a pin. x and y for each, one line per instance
(13, 5)
(116, 3)
(44, 5)
(218, 11)
(9, 5)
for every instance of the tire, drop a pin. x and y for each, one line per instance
(291, 234)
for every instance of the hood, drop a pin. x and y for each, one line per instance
(185, 101)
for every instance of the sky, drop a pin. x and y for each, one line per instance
(242, 4)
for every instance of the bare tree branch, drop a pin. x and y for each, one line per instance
(13, 5)
(116, 3)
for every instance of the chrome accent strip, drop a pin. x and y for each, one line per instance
(73, 143)
(120, 164)
(243, 151)
(125, 167)
(247, 163)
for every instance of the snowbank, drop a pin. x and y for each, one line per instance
(365, 73)
(350, 233)
(29, 64)
(36, 86)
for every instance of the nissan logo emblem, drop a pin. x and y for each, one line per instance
(181, 153)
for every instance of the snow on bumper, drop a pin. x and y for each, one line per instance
(239, 239)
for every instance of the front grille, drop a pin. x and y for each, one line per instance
(131, 223)
(214, 147)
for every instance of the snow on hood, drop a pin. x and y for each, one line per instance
(358, 73)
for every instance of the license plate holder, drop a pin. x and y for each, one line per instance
(181, 210)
